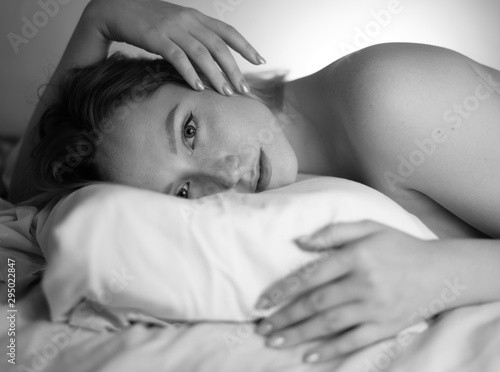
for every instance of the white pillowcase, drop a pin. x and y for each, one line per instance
(143, 253)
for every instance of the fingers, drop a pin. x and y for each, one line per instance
(320, 240)
(184, 37)
(327, 323)
(181, 53)
(205, 44)
(345, 343)
(234, 39)
(176, 56)
(331, 266)
(202, 56)
(220, 52)
(306, 306)
(335, 235)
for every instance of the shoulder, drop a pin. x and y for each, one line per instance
(383, 58)
(427, 117)
(391, 94)
(394, 94)
(387, 75)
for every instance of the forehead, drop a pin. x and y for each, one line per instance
(135, 150)
(135, 128)
(147, 111)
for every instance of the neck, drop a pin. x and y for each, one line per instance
(315, 129)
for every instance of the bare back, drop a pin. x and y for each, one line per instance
(423, 126)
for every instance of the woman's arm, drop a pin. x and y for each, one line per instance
(439, 111)
(183, 36)
(86, 46)
(372, 282)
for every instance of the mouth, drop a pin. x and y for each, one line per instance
(265, 172)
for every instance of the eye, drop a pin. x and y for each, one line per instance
(189, 131)
(184, 191)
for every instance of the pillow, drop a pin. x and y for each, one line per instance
(139, 253)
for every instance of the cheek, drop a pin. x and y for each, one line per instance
(247, 125)
(286, 158)
(264, 128)
(272, 138)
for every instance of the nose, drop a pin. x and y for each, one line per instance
(227, 171)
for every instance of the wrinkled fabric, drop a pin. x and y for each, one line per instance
(140, 253)
(17, 242)
(462, 340)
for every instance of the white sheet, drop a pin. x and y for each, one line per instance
(465, 339)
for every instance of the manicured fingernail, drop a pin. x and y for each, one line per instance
(303, 239)
(199, 85)
(227, 90)
(311, 358)
(261, 60)
(276, 341)
(244, 87)
(263, 303)
(264, 329)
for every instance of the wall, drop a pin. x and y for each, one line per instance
(300, 36)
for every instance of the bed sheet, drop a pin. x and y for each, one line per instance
(466, 339)
(57, 347)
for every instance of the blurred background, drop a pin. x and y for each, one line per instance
(300, 36)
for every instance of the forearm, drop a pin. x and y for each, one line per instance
(471, 271)
(86, 46)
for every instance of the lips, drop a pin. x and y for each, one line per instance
(265, 172)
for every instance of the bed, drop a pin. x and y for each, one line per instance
(115, 278)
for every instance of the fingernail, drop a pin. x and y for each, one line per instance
(261, 60)
(199, 85)
(244, 87)
(263, 303)
(311, 358)
(305, 240)
(276, 341)
(227, 90)
(264, 329)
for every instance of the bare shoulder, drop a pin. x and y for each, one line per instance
(426, 118)
(386, 76)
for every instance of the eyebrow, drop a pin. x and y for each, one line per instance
(171, 129)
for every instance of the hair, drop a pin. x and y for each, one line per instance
(87, 99)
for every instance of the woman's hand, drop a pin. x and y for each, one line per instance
(376, 283)
(180, 35)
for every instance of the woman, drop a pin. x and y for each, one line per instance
(418, 123)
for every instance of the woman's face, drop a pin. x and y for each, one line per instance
(191, 144)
